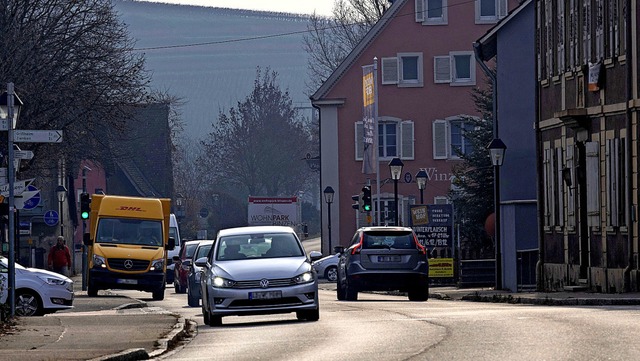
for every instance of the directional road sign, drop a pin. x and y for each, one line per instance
(23, 154)
(23, 201)
(18, 187)
(37, 136)
(4, 124)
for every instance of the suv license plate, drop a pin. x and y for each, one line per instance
(127, 282)
(265, 295)
(388, 258)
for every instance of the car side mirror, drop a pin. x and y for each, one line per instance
(172, 244)
(338, 249)
(176, 259)
(315, 255)
(201, 262)
(186, 262)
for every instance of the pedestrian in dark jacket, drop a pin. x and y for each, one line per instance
(60, 257)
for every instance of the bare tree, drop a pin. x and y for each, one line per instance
(73, 65)
(257, 147)
(330, 40)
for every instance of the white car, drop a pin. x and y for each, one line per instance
(38, 291)
(327, 267)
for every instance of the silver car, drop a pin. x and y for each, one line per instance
(258, 270)
(193, 276)
(327, 267)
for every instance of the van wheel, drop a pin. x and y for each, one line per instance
(92, 291)
(158, 295)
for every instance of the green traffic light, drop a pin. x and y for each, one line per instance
(367, 207)
(84, 215)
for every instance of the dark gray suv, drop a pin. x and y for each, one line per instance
(383, 259)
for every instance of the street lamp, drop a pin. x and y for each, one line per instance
(496, 150)
(328, 197)
(10, 105)
(179, 204)
(395, 166)
(421, 179)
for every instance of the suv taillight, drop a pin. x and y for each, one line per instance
(356, 249)
(420, 247)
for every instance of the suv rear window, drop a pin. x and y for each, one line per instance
(397, 240)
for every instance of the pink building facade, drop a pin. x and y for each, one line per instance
(426, 71)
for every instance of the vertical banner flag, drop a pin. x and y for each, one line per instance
(369, 164)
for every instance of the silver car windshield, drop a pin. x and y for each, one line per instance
(256, 246)
(129, 231)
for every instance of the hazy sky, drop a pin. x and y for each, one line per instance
(321, 7)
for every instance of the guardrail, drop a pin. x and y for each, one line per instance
(477, 273)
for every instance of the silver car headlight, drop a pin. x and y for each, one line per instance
(98, 262)
(222, 282)
(157, 265)
(303, 278)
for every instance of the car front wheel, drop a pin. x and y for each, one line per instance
(311, 315)
(28, 304)
(192, 300)
(331, 274)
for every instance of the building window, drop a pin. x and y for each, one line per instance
(404, 70)
(449, 140)
(593, 183)
(395, 139)
(457, 69)
(431, 12)
(490, 11)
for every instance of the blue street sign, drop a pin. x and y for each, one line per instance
(51, 218)
(32, 202)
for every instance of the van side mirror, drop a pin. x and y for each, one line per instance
(338, 249)
(86, 239)
(172, 244)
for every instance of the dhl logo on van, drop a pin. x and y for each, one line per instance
(129, 208)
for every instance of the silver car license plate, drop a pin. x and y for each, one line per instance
(265, 295)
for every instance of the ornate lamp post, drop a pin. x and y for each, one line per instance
(328, 197)
(61, 192)
(496, 150)
(395, 166)
(421, 179)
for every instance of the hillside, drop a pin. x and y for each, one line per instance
(215, 76)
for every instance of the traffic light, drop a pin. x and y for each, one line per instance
(356, 198)
(366, 198)
(85, 205)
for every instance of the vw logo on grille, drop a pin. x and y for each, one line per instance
(128, 264)
(264, 283)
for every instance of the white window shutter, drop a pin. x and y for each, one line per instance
(593, 183)
(390, 70)
(419, 11)
(442, 69)
(440, 139)
(406, 139)
(502, 9)
(359, 143)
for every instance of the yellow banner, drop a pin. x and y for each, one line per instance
(441, 267)
(367, 89)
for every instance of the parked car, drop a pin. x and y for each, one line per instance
(383, 259)
(38, 291)
(327, 267)
(180, 271)
(258, 270)
(193, 276)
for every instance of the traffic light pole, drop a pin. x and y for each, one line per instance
(84, 228)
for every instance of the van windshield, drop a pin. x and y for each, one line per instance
(129, 231)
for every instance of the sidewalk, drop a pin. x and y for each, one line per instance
(108, 327)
